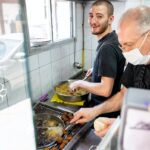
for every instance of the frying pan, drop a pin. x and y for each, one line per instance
(70, 98)
(48, 128)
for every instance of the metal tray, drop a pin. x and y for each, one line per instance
(76, 130)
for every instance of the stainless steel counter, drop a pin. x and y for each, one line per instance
(89, 141)
(70, 108)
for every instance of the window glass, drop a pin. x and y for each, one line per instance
(38, 14)
(10, 18)
(11, 36)
(61, 15)
(42, 19)
(13, 78)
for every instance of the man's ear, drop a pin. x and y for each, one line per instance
(110, 20)
(148, 34)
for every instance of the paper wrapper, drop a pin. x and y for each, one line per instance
(56, 99)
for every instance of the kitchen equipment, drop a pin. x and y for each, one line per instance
(72, 132)
(46, 120)
(49, 128)
(86, 76)
(66, 94)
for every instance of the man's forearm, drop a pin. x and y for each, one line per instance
(103, 88)
(110, 105)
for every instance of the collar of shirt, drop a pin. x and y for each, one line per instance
(107, 36)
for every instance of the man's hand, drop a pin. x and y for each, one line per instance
(83, 115)
(107, 124)
(76, 84)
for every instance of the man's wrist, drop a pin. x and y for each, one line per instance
(98, 110)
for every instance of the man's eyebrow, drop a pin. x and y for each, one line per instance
(96, 13)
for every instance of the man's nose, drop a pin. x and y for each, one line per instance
(123, 48)
(93, 20)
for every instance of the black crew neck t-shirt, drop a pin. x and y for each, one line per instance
(109, 62)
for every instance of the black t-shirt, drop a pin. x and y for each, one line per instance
(137, 76)
(109, 62)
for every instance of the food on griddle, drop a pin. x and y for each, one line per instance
(54, 148)
(62, 145)
(65, 90)
(65, 132)
(66, 117)
(70, 116)
(39, 122)
(69, 137)
(59, 140)
(65, 141)
(46, 148)
(51, 123)
(54, 132)
(48, 129)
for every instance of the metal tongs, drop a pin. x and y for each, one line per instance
(86, 76)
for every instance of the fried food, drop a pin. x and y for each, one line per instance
(65, 90)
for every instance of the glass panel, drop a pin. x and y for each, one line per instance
(10, 14)
(13, 80)
(38, 14)
(61, 16)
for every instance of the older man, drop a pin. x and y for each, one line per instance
(134, 36)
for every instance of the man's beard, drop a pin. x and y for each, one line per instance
(102, 29)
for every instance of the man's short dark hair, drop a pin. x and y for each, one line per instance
(107, 3)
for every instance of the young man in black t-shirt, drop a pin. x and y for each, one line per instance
(109, 63)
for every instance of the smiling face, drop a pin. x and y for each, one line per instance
(99, 20)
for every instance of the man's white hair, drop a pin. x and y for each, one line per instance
(141, 15)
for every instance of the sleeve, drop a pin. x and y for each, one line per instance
(107, 61)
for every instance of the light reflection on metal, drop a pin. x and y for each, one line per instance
(3, 92)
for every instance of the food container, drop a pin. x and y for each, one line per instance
(63, 92)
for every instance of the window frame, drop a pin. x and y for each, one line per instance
(44, 47)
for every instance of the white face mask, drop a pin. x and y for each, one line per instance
(135, 57)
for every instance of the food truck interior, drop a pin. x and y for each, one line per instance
(43, 44)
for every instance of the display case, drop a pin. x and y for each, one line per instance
(134, 122)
